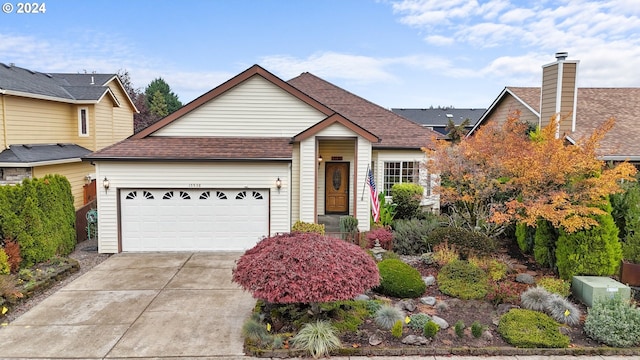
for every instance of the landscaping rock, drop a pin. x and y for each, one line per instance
(408, 305)
(565, 330)
(415, 340)
(440, 321)
(429, 280)
(429, 300)
(375, 339)
(487, 335)
(362, 297)
(525, 279)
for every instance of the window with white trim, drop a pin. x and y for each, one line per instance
(399, 172)
(83, 121)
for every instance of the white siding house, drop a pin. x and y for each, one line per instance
(247, 160)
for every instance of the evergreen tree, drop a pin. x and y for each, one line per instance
(170, 98)
(158, 105)
(595, 251)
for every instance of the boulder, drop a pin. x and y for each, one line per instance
(525, 278)
(415, 340)
(429, 280)
(440, 321)
(408, 305)
(429, 300)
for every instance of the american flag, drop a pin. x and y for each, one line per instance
(375, 204)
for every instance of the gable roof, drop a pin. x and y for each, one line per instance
(69, 88)
(255, 70)
(374, 123)
(394, 131)
(594, 106)
(36, 154)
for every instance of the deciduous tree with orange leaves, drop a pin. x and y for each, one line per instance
(503, 174)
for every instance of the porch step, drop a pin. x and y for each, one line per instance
(331, 223)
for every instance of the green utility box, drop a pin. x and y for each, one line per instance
(589, 288)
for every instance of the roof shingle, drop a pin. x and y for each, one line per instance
(197, 148)
(393, 130)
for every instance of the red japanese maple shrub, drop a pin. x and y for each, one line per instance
(383, 235)
(305, 268)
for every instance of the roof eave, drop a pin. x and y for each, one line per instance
(39, 163)
(48, 98)
(172, 159)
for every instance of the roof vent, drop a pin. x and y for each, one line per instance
(26, 146)
(450, 116)
(92, 81)
(560, 56)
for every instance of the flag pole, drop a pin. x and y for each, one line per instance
(364, 185)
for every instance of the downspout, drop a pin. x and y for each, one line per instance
(289, 197)
(4, 120)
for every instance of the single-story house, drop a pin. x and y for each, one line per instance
(579, 110)
(250, 158)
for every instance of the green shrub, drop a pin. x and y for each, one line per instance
(466, 241)
(409, 236)
(477, 329)
(396, 330)
(398, 279)
(407, 197)
(459, 328)
(613, 321)
(626, 214)
(555, 285)
(430, 329)
(544, 244)
(387, 316)
(595, 251)
(304, 227)
(417, 321)
(318, 339)
(497, 270)
(525, 236)
(387, 211)
(348, 227)
(444, 253)
(531, 329)
(463, 280)
(39, 215)
(5, 268)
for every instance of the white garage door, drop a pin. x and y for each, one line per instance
(193, 220)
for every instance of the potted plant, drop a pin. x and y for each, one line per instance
(630, 267)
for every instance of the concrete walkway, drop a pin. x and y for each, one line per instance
(154, 306)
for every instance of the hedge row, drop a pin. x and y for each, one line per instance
(39, 215)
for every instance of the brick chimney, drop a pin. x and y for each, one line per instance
(559, 93)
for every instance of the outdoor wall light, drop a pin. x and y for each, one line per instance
(279, 184)
(105, 184)
(319, 160)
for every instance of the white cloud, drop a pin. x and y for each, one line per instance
(331, 64)
(439, 40)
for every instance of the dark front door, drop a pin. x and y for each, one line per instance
(336, 188)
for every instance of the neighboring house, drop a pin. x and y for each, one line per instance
(248, 159)
(48, 122)
(438, 119)
(579, 110)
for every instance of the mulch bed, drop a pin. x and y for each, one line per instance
(446, 341)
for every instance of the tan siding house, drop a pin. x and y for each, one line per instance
(579, 110)
(246, 160)
(49, 121)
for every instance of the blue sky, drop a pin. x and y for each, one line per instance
(405, 53)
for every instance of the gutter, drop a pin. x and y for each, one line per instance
(39, 163)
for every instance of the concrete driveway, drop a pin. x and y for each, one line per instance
(155, 305)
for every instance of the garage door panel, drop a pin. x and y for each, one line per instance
(191, 220)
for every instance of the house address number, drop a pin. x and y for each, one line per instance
(195, 186)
